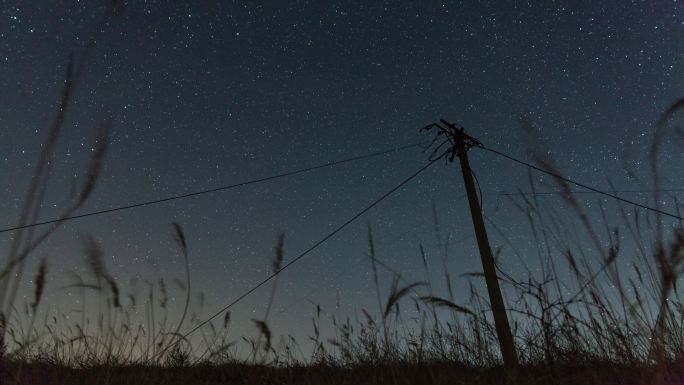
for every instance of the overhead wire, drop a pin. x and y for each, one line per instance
(582, 185)
(213, 190)
(645, 191)
(591, 190)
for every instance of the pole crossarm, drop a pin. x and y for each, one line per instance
(452, 134)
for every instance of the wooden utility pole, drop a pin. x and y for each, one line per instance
(460, 144)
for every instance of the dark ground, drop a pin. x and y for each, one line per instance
(604, 374)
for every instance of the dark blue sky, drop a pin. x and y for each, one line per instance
(212, 93)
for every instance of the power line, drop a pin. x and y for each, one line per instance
(595, 190)
(207, 191)
(299, 257)
(508, 193)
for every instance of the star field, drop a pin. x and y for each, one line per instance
(212, 93)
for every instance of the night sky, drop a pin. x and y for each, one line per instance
(213, 93)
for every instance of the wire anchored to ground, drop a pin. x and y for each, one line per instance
(298, 258)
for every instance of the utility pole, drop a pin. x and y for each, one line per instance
(460, 144)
